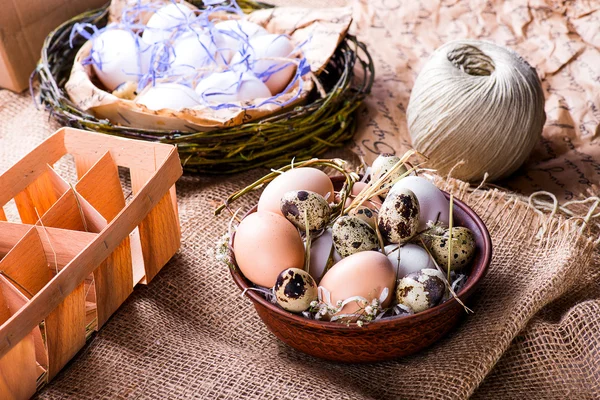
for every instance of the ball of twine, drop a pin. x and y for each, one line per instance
(477, 102)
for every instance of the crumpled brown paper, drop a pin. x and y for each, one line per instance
(322, 32)
(561, 39)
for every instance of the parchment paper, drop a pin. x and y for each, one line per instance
(560, 38)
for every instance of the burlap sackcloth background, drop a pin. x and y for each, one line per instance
(535, 332)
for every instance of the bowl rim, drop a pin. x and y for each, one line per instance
(472, 283)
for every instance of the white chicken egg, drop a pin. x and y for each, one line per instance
(119, 56)
(434, 206)
(172, 96)
(193, 50)
(165, 21)
(275, 73)
(408, 258)
(230, 35)
(320, 249)
(231, 86)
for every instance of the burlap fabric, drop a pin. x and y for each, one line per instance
(190, 334)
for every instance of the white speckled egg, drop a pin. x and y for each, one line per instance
(295, 289)
(266, 244)
(173, 96)
(409, 258)
(421, 290)
(295, 179)
(352, 235)
(398, 218)
(364, 274)
(431, 199)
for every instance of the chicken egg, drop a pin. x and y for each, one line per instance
(119, 56)
(266, 244)
(434, 206)
(320, 250)
(304, 178)
(193, 50)
(231, 86)
(230, 35)
(364, 274)
(408, 258)
(173, 96)
(165, 21)
(275, 73)
(359, 187)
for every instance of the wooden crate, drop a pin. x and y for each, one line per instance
(79, 249)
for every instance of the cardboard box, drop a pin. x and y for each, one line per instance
(24, 24)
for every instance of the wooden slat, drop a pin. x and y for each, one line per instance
(160, 236)
(18, 368)
(132, 154)
(63, 243)
(159, 232)
(101, 187)
(113, 279)
(40, 195)
(30, 167)
(65, 330)
(65, 325)
(67, 281)
(27, 265)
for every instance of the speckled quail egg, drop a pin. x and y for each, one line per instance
(126, 90)
(398, 219)
(352, 235)
(421, 290)
(295, 289)
(303, 206)
(463, 248)
(434, 206)
(366, 214)
(382, 164)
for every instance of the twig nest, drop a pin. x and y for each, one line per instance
(305, 209)
(477, 102)
(352, 235)
(463, 248)
(398, 219)
(295, 289)
(421, 290)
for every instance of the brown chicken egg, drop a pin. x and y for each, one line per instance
(364, 274)
(295, 179)
(265, 244)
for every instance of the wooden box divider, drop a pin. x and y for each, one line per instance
(79, 249)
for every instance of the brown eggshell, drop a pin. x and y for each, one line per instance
(295, 179)
(266, 244)
(363, 274)
(357, 188)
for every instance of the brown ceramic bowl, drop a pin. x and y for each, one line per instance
(384, 339)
